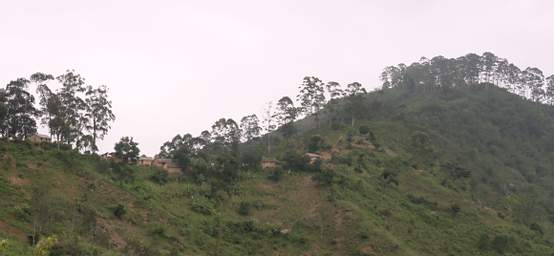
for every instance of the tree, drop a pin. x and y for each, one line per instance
(75, 114)
(311, 97)
(225, 131)
(269, 124)
(20, 112)
(3, 112)
(180, 148)
(488, 63)
(206, 136)
(41, 209)
(127, 150)
(250, 127)
(356, 108)
(99, 113)
(549, 90)
(334, 90)
(72, 114)
(514, 78)
(286, 112)
(534, 79)
(470, 66)
(391, 77)
(49, 103)
(40, 80)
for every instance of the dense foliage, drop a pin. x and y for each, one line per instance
(472, 69)
(76, 114)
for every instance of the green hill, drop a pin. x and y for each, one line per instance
(448, 171)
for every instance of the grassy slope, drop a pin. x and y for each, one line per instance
(356, 214)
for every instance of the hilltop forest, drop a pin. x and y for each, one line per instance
(448, 157)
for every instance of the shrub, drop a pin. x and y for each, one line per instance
(484, 242)
(121, 172)
(119, 211)
(244, 208)
(72, 246)
(455, 209)
(295, 161)
(501, 243)
(160, 176)
(389, 177)
(373, 139)
(202, 205)
(159, 231)
(287, 130)
(44, 246)
(422, 201)
(364, 129)
(275, 175)
(325, 176)
(244, 227)
(250, 156)
(315, 166)
(3, 245)
(315, 143)
(537, 228)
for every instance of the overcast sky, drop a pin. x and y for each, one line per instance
(174, 67)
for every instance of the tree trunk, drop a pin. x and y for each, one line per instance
(269, 143)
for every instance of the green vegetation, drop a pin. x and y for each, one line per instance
(426, 169)
(76, 114)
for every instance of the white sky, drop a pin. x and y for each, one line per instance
(177, 66)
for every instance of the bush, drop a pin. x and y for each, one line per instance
(484, 242)
(420, 200)
(501, 243)
(3, 245)
(158, 231)
(537, 228)
(44, 246)
(202, 205)
(455, 209)
(389, 177)
(244, 208)
(315, 143)
(364, 129)
(275, 175)
(72, 246)
(295, 161)
(161, 177)
(243, 227)
(325, 176)
(287, 130)
(121, 172)
(119, 211)
(250, 156)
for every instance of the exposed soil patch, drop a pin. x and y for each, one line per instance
(117, 241)
(12, 231)
(14, 180)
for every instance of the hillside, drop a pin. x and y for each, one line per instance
(447, 171)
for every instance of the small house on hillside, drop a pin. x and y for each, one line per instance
(167, 164)
(145, 161)
(269, 164)
(39, 138)
(313, 157)
(109, 156)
